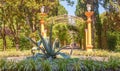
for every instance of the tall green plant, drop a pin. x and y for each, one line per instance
(48, 49)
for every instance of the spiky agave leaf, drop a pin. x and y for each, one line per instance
(50, 41)
(36, 44)
(56, 44)
(50, 38)
(45, 44)
(60, 49)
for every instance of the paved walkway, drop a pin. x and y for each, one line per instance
(16, 58)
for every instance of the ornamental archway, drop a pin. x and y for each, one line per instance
(75, 28)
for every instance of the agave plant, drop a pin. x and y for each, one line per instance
(48, 50)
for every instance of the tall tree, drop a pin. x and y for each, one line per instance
(110, 22)
(80, 8)
(3, 17)
(14, 13)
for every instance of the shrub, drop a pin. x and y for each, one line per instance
(112, 41)
(60, 65)
(8, 42)
(24, 43)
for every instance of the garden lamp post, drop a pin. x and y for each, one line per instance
(42, 22)
(89, 14)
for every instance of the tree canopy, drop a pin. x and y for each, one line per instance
(25, 14)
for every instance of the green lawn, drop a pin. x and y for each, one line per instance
(76, 52)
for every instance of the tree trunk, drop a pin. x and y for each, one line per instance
(80, 42)
(17, 38)
(64, 42)
(104, 38)
(17, 46)
(4, 38)
(32, 27)
(17, 43)
(4, 42)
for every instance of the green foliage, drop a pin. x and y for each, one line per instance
(68, 33)
(9, 43)
(1, 42)
(24, 15)
(80, 8)
(60, 65)
(80, 25)
(46, 65)
(110, 30)
(60, 30)
(61, 10)
(110, 22)
(113, 40)
(24, 43)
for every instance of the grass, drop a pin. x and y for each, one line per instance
(14, 53)
(76, 52)
(100, 53)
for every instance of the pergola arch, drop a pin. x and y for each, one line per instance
(63, 18)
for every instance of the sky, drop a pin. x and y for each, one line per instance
(71, 9)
